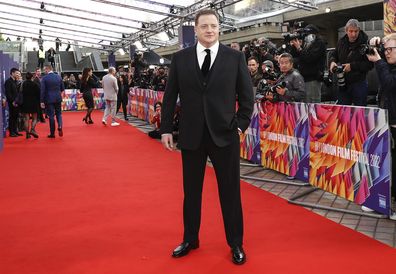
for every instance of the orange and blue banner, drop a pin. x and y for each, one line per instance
(284, 138)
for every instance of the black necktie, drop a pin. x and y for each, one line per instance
(206, 64)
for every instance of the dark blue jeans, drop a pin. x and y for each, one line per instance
(54, 109)
(355, 94)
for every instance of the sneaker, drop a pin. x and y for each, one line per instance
(393, 216)
(114, 124)
(367, 209)
(104, 122)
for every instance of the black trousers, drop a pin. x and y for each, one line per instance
(13, 119)
(225, 161)
(124, 103)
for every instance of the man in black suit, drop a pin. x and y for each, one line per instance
(11, 91)
(208, 78)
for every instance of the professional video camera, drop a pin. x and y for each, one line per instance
(339, 72)
(369, 49)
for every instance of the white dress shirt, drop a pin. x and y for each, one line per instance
(201, 53)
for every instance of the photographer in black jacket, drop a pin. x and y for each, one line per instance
(309, 59)
(386, 71)
(355, 65)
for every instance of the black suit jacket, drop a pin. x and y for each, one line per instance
(208, 100)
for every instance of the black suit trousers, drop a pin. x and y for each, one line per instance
(225, 161)
(13, 119)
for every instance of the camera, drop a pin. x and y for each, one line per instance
(369, 49)
(339, 72)
(265, 88)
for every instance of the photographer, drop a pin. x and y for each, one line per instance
(386, 71)
(255, 75)
(259, 48)
(309, 58)
(290, 85)
(139, 65)
(355, 66)
(160, 79)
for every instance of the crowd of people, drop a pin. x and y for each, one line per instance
(292, 72)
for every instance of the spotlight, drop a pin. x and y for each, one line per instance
(111, 43)
(123, 35)
(328, 9)
(41, 21)
(40, 31)
(42, 6)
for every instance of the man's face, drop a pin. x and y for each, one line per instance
(352, 33)
(390, 51)
(252, 66)
(235, 46)
(15, 75)
(37, 73)
(47, 70)
(285, 65)
(207, 30)
(161, 71)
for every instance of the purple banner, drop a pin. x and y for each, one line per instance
(250, 140)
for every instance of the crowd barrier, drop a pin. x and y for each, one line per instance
(341, 149)
(344, 150)
(72, 99)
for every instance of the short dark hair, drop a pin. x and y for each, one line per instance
(13, 70)
(29, 75)
(205, 12)
(253, 58)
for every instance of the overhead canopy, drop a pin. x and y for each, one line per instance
(115, 24)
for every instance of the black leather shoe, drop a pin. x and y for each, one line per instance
(51, 136)
(238, 255)
(184, 248)
(13, 135)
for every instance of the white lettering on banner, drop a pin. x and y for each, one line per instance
(284, 139)
(348, 154)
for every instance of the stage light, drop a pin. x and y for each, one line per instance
(41, 21)
(40, 31)
(328, 9)
(161, 60)
(42, 6)
(124, 35)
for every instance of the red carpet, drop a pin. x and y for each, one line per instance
(109, 200)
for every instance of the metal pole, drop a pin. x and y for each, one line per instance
(292, 200)
(274, 181)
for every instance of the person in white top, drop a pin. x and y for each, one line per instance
(110, 89)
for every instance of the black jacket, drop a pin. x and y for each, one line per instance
(310, 61)
(347, 52)
(11, 90)
(387, 79)
(209, 100)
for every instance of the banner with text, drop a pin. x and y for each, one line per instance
(72, 99)
(250, 140)
(350, 154)
(284, 138)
